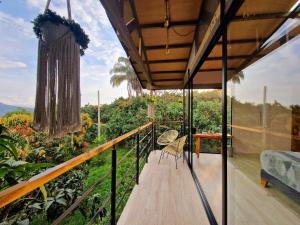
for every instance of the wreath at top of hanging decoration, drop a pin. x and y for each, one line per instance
(49, 16)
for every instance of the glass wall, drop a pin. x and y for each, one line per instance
(264, 167)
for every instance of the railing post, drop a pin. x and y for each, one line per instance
(113, 186)
(147, 147)
(137, 161)
(153, 136)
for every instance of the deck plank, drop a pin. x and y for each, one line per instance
(165, 196)
(249, 203)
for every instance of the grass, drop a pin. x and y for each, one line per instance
(98, 167)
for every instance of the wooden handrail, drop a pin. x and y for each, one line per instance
(261, 130)
(17, 191)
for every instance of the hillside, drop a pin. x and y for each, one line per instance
(10, 108)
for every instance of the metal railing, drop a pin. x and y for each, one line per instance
(143, 138)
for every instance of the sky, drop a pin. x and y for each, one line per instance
(18, 50)
(278, 71)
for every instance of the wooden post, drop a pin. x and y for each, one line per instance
(198, 143)
(263, 182)
(113, 186)
(264, 118)
(99, 122)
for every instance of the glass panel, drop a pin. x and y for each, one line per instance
(207, 147)
(264, 162)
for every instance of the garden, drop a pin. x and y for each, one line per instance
(26, 152)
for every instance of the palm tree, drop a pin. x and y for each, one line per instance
(236, 79)
(123, 71)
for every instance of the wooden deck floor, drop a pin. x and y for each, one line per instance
(165, 196)
(249, 203)
(208, 169)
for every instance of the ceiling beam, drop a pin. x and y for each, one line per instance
(155, 47)
(167, 87)
(183, 71)
(211, 38)
(242, 41)
(168, 61)
(132, 6)
(166, 80)
(189, 45)
(166, 72)
(186, 59)
(113, 13)
(257, 51)
(172, 24)
(131, 25)
(228, 57)
(214, 70)
(263, 16)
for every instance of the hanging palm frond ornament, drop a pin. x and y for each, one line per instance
(61, 42)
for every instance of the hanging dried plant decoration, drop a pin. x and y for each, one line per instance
(49, 16)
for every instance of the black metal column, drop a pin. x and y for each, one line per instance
(191, 122)
(153, 137)
(113, 186)
(137, 160)
(224, 115)
(183, 110)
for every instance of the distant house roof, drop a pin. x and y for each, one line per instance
(168, 40)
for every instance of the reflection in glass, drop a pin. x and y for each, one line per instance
(264, 170)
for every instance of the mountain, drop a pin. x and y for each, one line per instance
(10, 108)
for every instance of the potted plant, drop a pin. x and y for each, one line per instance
(49, 27)
(61, 42)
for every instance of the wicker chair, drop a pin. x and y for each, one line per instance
(175, 149)
(167, 137)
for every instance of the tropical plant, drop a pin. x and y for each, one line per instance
(236, 79)
(7, 144)
(123, 71)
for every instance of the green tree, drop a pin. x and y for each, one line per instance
(92, 110)
(207, 116)
(123, 71)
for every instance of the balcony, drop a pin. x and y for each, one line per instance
(165, 195)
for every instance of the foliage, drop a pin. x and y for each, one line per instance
(123, 71)
(126, 115)
(64, 191)
(86, 122)
(49, 16)
(117, 118)
(26, 154)
(7, 144)
(14, 119)
(207, 116)
(92, 110)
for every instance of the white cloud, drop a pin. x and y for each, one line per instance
(92, 17)
(17, 88)
(11, 64)
(19, 52)
(12, 23)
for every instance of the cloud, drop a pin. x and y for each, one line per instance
(17, 88)
(91, 16)
(11, 64)
(18, 54)
(12, 23)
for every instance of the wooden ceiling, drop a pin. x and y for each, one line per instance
(162, 38)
